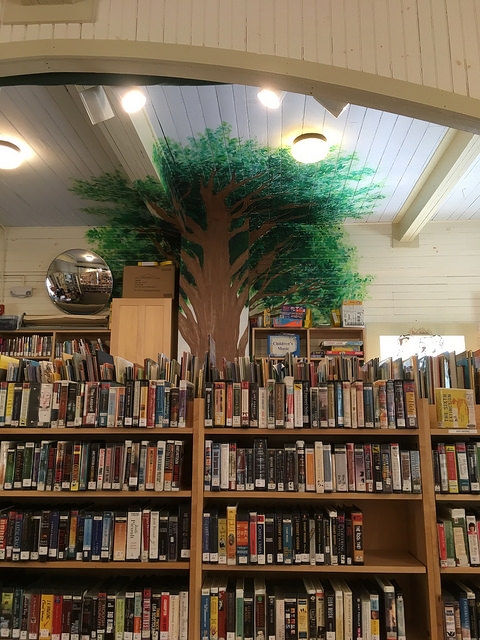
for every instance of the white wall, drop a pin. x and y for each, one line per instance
(435, 286)
(28, 253)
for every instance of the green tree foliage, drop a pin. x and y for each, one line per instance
(256, 228)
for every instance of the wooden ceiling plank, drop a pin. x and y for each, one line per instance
(447, 167)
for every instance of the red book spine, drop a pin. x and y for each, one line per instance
(34, 623)
(164, 615)
(350, 466)
(152, 394)
(57, 617)
(442, 545)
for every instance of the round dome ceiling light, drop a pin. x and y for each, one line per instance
(11, 155)
(270, 99)
(133, 101)
(310, 147)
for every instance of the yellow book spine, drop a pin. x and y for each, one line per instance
(222, 541)
(46, 616)
(9, 403)
(232, 535)
(302, 616)
(213, 616)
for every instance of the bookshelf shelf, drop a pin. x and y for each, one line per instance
(228, 432)
(376, 562)
(455, 433)
(296, 495)
(89, 495)
(81, 432)
(460, 570)
(68, 565)
(457, 497)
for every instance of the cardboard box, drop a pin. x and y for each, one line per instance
(149, 282)
(353, 314)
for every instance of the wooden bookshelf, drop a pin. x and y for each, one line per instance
(310, 338)
(58, 336)
(400, 528)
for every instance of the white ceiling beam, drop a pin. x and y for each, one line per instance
(453, 157)
(127, 140)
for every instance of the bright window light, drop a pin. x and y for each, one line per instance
(133, 101)
(422, 345)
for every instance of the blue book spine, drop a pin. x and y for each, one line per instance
(464, 616)
(205, 616)
(97, 536)
(53, 541)
(103, 404)
(107, 535)
(339, 403)
(159, 405)
(87, 537)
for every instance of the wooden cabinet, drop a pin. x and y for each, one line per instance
(142, 328)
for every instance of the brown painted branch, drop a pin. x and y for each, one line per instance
(255, 234)
(160, 212)
(233, 186)
(240, 207)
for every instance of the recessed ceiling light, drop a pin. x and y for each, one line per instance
(270, 99)
(10, 155)
(133, 101)
(310, 147)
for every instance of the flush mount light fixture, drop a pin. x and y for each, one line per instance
(270, 99)
(11, 155)
(310, 147)
(133, 101)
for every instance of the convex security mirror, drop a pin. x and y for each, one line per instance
(79, 281)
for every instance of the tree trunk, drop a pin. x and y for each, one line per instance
(214, 300)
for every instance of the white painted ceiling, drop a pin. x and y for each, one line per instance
(53, 121)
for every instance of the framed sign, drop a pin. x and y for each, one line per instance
(279, 345)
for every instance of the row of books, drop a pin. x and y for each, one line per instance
(92, 466)
(140, 403)
(34, 345)
(456, 467)
(311, 466)
(448, 370)
(149, 534)
(237, 536)
(461, 609)
(111, 610)
(296, 404)
(311, 609)
(80, 345)
(458, 537)
(337, 347)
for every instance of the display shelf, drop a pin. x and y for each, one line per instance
(455, 433)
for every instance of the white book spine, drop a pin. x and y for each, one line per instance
(224, 465)
(134, 535)
(396, 469)
(262, 407)
(319, 478)
(153, 544)
(183, 633)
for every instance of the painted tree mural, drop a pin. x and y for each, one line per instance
(246, 225)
